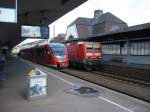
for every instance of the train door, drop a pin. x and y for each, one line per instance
(38, 55)
(47, 55)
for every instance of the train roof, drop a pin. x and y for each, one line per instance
(56, 44)
(49, 44)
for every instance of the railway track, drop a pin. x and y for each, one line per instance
(123, 79)
(129, 73)
(111, 76)
(132, 87)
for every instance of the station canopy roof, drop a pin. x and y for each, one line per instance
(33, 12)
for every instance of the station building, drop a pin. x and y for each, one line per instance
(130, 49)
(80, 28)
(124, 48)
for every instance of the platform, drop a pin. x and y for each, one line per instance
(12, 95)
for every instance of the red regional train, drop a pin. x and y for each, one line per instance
(85, 55)
(52, 54)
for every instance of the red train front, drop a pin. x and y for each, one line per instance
(84, 54)
(53, 54)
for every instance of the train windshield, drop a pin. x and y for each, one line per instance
(93, 46)
(58, 49)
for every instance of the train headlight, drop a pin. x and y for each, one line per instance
(84, 61)
(48, 52)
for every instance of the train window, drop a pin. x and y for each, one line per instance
(39, 52)
(97, 49)
(140, 48)
(96, 46)
(45, 52)
(89, 48)
(58, 50)
(34, 52)
(89, 45)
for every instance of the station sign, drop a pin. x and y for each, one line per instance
(36, 32)
(8, 11)
(8, 15)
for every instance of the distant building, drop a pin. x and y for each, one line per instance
(87, 27)
(106, 22)
(80, 28)
(59, 38)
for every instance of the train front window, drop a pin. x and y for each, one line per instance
(96, 46)
(93, 46)
(89, 46)
(58, 50)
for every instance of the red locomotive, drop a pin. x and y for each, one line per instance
(53, 54)
(84, 54)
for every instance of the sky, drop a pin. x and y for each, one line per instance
(133, 12)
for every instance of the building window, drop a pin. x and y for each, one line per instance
(113, 49)
(72, 31)
(137, 48)
(147, 48)
(140, 48)
(124, 48)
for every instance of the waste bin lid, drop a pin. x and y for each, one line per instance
(36, 72)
